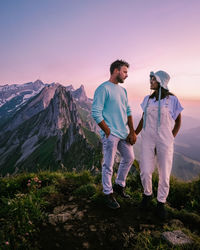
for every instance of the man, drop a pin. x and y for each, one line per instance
(111, 111)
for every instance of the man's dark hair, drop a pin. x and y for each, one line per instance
(117, 65)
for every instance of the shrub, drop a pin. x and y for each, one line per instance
(87, 190)
(20, 218)
(82, 178)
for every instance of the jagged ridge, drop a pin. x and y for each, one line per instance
(50, 121)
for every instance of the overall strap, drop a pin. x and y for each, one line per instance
(145, 114)
(159, 97)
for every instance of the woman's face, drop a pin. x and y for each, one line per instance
(153, 83)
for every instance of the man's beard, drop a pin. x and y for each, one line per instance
(119, 79)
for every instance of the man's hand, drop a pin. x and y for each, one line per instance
(131, 138)
(105, 128)
(107, 132)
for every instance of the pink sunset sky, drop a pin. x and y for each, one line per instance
(74, 42)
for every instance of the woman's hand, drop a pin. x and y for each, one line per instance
(177, 125)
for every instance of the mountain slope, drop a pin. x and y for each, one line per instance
(185, 168)
(7, 92)
(188, 143)
(47, 132)
(13, 97)
(84, 107)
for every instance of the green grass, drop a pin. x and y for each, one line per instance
(25, 200)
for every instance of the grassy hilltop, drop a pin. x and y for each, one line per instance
(62, 210)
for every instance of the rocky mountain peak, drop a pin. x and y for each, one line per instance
(38, 83)
(80, 94)
(15, 95)
(82, 87)
(69, 88)
(65, 110)
(32, 107)
(44, 96)
(55, 121)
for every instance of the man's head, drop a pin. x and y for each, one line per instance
(119, 70)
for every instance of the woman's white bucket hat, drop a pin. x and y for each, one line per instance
(162, 77)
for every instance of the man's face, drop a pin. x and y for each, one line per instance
(122, 74)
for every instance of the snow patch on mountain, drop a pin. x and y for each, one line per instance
(27, 90)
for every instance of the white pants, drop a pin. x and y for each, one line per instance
(110, 147)
(163, 140)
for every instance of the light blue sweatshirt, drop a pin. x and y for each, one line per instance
(110, 104)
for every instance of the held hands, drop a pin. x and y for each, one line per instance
(131, 138)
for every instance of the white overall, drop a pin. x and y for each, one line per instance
(162, 139)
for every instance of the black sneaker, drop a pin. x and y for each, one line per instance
(120, 191)
(111, 201)
(145, 204)
(161, 210)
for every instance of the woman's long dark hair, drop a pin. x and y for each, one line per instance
(164, 93)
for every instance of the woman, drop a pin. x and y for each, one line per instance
(160, 123)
